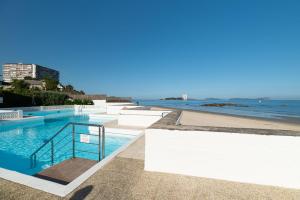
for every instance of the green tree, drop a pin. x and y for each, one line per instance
(29, 78)
(69, 88)
(19, 85)
(51, 84)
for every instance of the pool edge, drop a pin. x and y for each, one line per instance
(58, 189)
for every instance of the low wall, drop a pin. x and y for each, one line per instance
(39, 108)
(115, 131)
(89, 109)
(137, 120)
(115, 109)
(119, 104)
(100, 103)
(144, 112)
(58, 107)
(249, 158)
(106, 117)
(11, 114)
(98, 108)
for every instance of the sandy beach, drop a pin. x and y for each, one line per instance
(196, 118)
(207, 119)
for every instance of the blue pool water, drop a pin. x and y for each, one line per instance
(17, 143)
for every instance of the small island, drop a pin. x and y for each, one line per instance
(223, 105)
(172, 98)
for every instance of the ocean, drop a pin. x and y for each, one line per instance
(263, 108)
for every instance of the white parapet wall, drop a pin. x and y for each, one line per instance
(11, 114)
(116, 109)
(140, 118)
(89, 109)
(120, 104)
(249, 158)
(100, 103)
(137, 120)
(57, 107)
(145, 112)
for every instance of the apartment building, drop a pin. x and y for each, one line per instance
(19, 71)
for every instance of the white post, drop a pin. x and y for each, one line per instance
(20, 114)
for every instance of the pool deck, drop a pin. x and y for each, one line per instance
(124, 178)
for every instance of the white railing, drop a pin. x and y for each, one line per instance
(79, 108)
(39, 108)
(7, 114)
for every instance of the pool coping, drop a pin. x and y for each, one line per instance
(58, 189)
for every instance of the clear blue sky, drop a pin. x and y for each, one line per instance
(151, 49)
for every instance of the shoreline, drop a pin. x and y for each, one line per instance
(287, 120)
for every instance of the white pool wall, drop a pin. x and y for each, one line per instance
(137, 120)
(140, 118)
(116, 109)
(11, 114)
(249, 158)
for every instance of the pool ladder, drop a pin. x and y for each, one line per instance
(53, 144)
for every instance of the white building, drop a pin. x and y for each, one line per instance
(19, 71)
(184, 97)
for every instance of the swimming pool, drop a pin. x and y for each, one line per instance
(18, 142)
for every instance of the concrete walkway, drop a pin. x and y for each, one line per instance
(124, 178)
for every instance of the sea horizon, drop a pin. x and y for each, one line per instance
(268, 108)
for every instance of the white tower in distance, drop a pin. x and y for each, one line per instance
(185, 97)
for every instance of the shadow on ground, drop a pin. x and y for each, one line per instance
(82, 193)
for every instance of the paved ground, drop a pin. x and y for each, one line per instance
(124, 178)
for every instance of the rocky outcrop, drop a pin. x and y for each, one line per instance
(223, 105)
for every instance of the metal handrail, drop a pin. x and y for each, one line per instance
(163, 114)
(48, 141)
(51, 141)
(57, 143)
